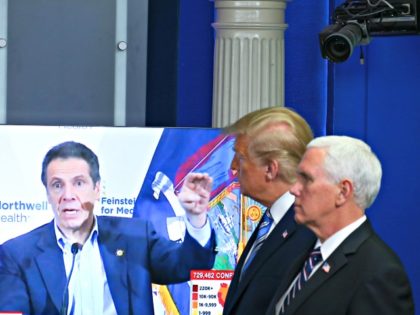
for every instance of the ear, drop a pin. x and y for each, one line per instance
(272, 170)
(48, 196)
(345, 192)
(98, 190)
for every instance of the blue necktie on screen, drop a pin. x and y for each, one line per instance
(262, 234)
(313, 260)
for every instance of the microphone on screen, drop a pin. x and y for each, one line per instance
(75, 247)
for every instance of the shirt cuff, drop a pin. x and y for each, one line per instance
(201, 235)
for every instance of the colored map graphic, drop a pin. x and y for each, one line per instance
(222, 293)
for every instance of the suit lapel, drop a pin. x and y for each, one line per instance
(319, 277)
(282, 231)
(233, 287)
(333, 264)
(113, 250)
(51, 266)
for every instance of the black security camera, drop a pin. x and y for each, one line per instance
(338, 41)
(355, 21)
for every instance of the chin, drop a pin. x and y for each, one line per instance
(74, 223)
(244, 192)
(299, 219)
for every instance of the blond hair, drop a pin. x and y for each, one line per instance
(275, 133)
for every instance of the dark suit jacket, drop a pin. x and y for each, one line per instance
(32, 273)
(287, 244)
(365, 278)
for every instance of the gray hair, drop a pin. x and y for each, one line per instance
(352, 159)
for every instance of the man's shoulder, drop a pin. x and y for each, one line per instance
(367, 248)
(378, 249)
(28, 239)
(119, 220)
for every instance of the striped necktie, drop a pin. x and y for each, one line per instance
(262, 234)
(311, 262)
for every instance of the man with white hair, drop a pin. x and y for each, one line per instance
(351, 270)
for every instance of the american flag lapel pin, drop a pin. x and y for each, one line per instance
(285, 233)
(326, 267)
(119, 252)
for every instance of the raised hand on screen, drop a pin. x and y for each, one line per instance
(195, 196)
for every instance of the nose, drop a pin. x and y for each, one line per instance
(295, 189)
(68, 193)
(234, 166)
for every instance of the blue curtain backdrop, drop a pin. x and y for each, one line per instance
(379, 103)
(305, 70)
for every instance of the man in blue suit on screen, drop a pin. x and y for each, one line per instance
(85, 264)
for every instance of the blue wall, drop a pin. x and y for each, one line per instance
(180, 63)
(379, 102)
(195, 63)
(306, 78)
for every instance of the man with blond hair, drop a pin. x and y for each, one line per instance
(269, 144)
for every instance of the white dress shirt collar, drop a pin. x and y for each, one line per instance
(64, 243)
(331, 243)
(280, 206)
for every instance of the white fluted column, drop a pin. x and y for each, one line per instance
(248, 58)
